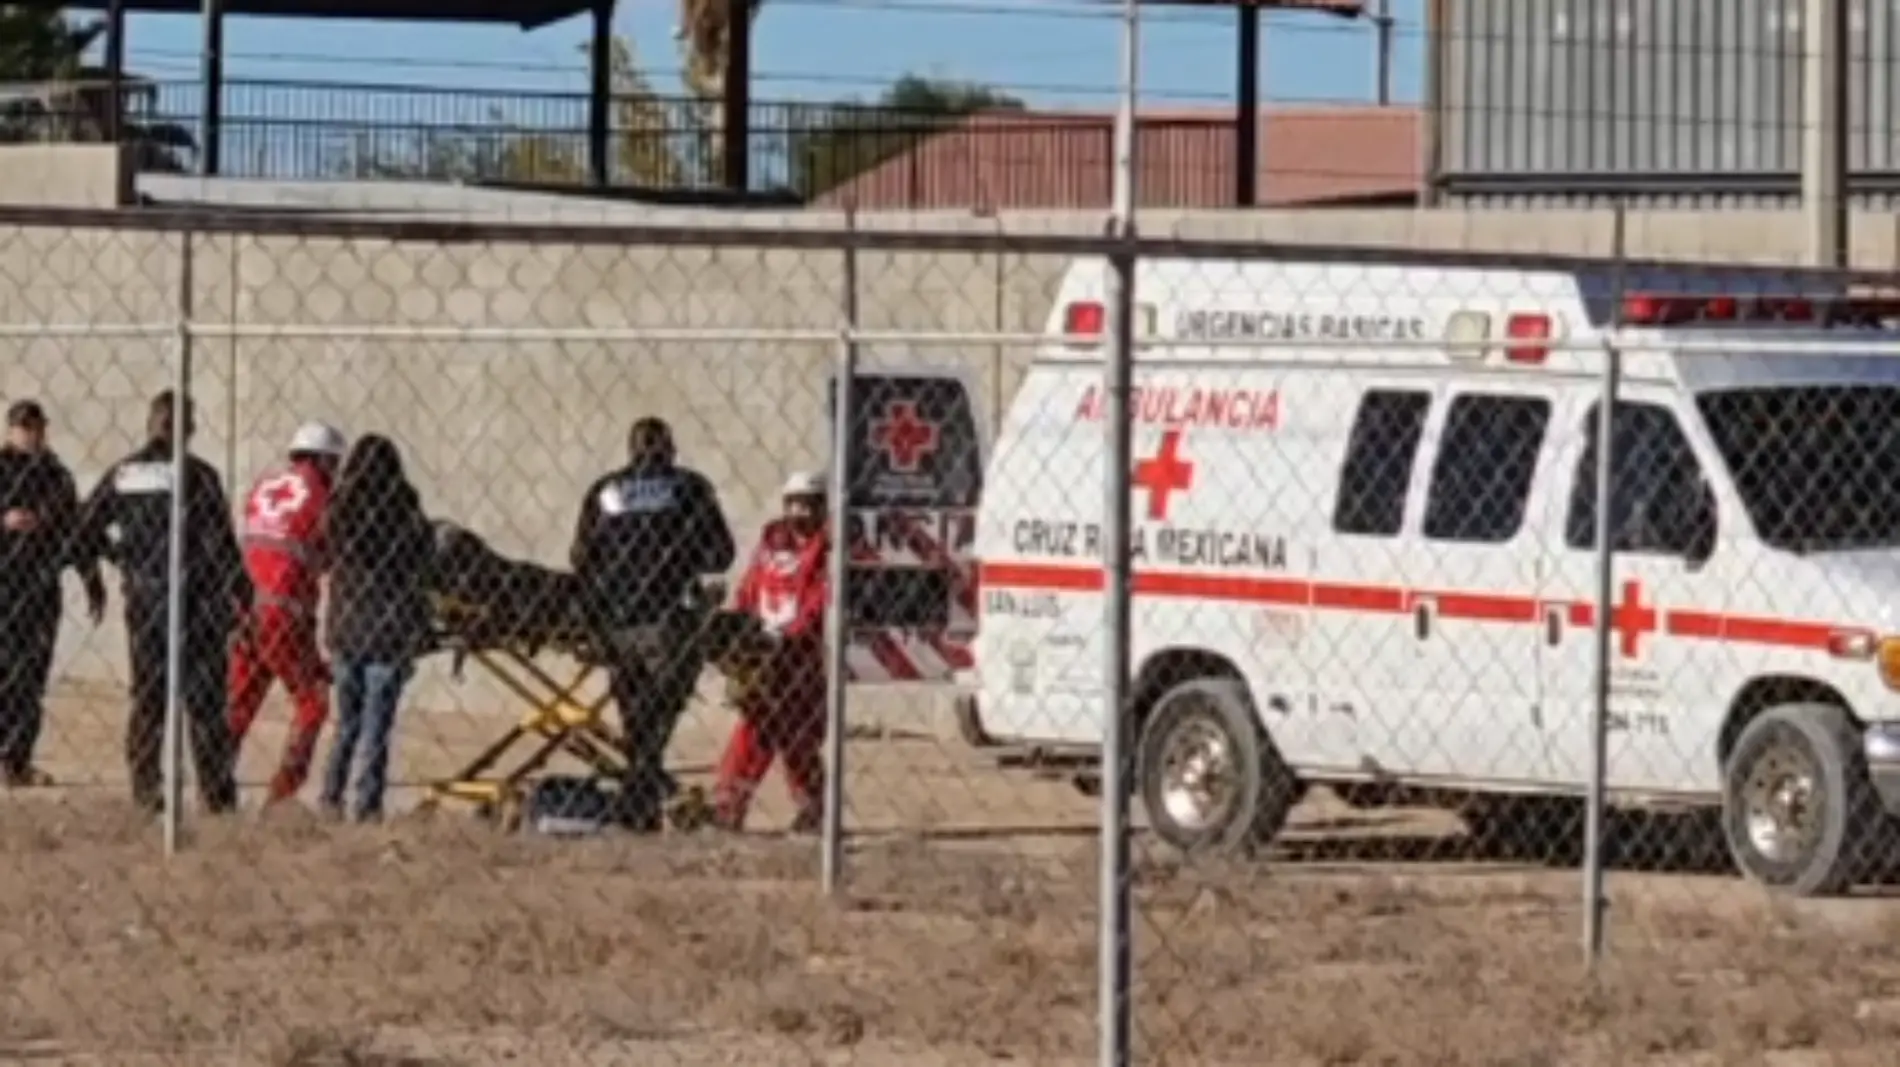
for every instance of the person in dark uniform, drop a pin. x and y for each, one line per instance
(127, 520)
(38, 507)
(647, 534)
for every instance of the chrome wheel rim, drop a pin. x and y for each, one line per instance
(1782, 806)
(1198, 780)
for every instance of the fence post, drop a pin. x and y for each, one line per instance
(838, 631)
(171, 757)
(1115, 948)
(1594, 904)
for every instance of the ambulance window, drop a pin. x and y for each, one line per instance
(1481, 480)
(1377, 471)
(1655, 474)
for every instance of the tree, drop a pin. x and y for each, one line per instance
(641, 126)
(640, 132)
(851, 137)
(493, 152)
(57, 97)
(38, 44)
(704, 29)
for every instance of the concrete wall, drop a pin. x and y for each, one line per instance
(502, 432)
(64, 175)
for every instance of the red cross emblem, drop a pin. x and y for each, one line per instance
(286, 492)
(1633, 618)
(1167, 473)
(903, 436)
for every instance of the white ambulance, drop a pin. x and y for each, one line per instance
(1364, 550)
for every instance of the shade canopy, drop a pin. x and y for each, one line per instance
(1350, 9)
(528, 14)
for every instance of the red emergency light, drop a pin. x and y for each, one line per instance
(1085, 322)
(1529, 334)
(1664, 309)
(1085, 318)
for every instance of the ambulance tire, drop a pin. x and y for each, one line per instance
(1264, 790)
(1838, 851)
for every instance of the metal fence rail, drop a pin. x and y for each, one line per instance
(876, 156)
(1394, 633)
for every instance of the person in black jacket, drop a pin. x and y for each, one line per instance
(647, 534)
(381, 546)
(127, 520)
(38, 507)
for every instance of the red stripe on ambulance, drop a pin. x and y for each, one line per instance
(1633, 618)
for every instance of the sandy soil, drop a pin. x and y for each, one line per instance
(966, 937)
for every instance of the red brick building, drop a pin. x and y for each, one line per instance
(1310, 155)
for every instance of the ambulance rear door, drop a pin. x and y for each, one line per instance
(915, 471)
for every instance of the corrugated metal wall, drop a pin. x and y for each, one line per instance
(1652, 87)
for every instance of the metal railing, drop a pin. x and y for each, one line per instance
(877, 157)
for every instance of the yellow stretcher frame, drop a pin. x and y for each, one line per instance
(558, 719)
(557, 716)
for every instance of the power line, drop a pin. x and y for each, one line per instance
(185, 58)
(1401, 31)
(1070, 9)
(186, 63)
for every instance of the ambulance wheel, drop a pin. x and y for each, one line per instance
(1210, 779)
(1798, 811)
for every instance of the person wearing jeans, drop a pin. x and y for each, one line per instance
(367, 692)
(381, 545)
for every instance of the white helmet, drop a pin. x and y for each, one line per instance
(318, 439)
(804, 483)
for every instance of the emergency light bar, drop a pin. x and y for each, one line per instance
(1664, 309)
(1086, 321)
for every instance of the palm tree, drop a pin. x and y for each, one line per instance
(49, 94)
(705, 27)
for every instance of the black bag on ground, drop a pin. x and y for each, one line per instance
(567, 806)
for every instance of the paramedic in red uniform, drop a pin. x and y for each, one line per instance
(285, 554)
(785, 587)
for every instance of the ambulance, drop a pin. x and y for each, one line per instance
(1364, 550)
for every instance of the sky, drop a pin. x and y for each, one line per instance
(1052, 53)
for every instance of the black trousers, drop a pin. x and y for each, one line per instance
(29, 629)
(202, 693)
(652, 673)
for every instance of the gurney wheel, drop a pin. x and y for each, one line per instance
(504, 814)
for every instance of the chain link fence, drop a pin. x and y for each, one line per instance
(1363, 654)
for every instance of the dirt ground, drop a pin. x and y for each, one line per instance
(967, 936)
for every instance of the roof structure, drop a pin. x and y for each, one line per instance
(528, 14)
(1350, 9)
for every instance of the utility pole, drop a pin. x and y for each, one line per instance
(1382, 23)
(1824, 74)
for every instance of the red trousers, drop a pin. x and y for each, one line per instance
(786, 721)
(281, 646)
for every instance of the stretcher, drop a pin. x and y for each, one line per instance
(557, 717)
(504, 616)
